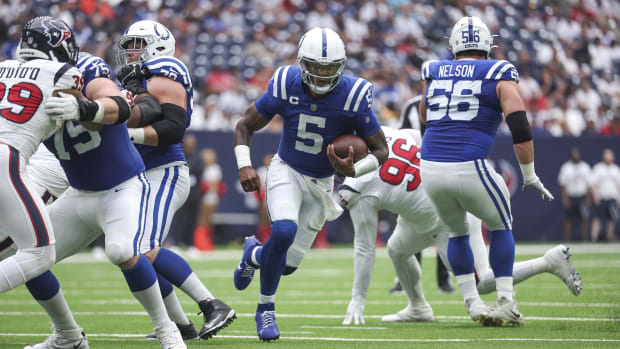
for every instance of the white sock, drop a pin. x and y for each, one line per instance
(504, 287)
(467, 285)
(59, 312)
(523, 270)
(174, 309)
(195, 288)
(154, 305)
(253, 256)
(262, 299)
(487, 281)
(409, 273)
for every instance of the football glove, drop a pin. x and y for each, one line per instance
(535, 183)
(355, 312)
(131, 78)
(68, 107)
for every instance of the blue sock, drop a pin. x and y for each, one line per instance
(141, 276)
(44, 286)
(172, 266)
(502, 253)
(165, 286)
(274, 251)
(460, 256)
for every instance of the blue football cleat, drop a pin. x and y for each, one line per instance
(266, 322)
(245, 271)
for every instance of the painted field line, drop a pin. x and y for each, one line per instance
(116, 336)
(396, 301)
(345, 327)
(299, 316)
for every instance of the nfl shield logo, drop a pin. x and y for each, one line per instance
(313, 107)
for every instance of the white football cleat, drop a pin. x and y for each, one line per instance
(63, 339)
(558, 260)
(506, 313)
(479, 311)
(355, 312)
(169, 336)
(423, 312)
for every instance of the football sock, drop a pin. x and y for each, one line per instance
(174, 268)
(142, 282)
(195, 288)
(174, 309)
(478, 247)
(521, 271)
(24, 265)
(460, 256)
(262, 299)
(274, 251)
(46, 290)
(467, 285)
(502, 256)
(409, 273)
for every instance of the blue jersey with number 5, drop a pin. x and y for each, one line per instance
(462, 107)
(95, 160)
(310, 125)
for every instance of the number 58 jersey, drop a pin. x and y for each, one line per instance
(24, 86)
(462, 107)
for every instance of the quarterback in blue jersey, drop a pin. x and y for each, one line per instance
(163, 97)
(464, 102)
(108, 190)
(318, 103)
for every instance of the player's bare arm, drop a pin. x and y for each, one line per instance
(422, 107)
(514, 114)
(252, 121)
(170, 129)
(377, 147)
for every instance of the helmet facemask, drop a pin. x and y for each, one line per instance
(321, 77)
(138, 48)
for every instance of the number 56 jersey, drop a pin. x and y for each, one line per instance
(24, 86)
(462, 107)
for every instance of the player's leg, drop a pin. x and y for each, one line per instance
(445, 194)
(24, 218)
(611, 211)
(169, 190)
(488, 198)
(365, 221)
(122, 216)
(402, 246)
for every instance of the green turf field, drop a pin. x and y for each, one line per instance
(312, 302)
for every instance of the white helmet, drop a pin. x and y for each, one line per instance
(321, 56)
(151, 39)
(470, 33)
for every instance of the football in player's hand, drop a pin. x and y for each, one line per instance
(342, 143)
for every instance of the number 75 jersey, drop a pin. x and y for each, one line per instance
(462, 107)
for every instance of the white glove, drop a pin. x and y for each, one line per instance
(64, 107)
(534, 182)
(355, 312)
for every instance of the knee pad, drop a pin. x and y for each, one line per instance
(289, 270)
(118, 253)
(35, 261)
(282, 234)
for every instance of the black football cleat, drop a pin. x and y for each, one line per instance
(217, 315)
(188, 332)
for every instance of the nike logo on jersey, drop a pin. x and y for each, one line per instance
(117, 190)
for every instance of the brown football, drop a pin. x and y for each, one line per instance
(342, 143)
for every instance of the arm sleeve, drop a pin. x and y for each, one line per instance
(171, 129)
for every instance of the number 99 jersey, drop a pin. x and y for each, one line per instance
(462, 107)
(23, 90)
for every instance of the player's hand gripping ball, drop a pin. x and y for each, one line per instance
(342, 143)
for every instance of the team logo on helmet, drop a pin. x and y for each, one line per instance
(55, 34)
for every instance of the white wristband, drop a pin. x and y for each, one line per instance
(368, 164)
(242, 152)
(136, 135)
(100, 112)
(527, 170)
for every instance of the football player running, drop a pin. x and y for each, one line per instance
(464, 101)
(318, 103)
(163, 95)
(103, 198)
(396, 187)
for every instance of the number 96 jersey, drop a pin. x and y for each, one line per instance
(24, 86)
(462, 107)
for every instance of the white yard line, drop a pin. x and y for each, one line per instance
(116, 336)
(301, 316)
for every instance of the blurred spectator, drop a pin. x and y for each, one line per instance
(574, 182)
(606, 195)
(263, 229)
(212, 188)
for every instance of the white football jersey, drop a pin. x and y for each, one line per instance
(46, 174)
(24, 86)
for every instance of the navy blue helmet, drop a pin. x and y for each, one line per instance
(49, 38)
